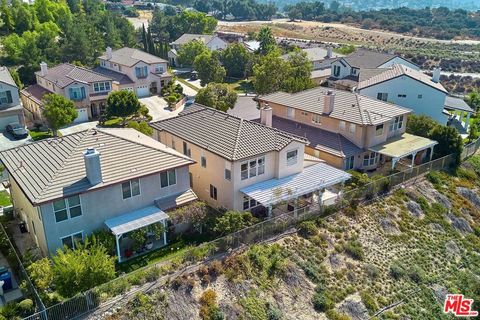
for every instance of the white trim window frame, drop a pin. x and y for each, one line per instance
(72, 237)
(342, 125)
(67, 207)
(352, 128)
(349, 163)
(249, 203)
(370, 159)
(382, 96)
(252, 168)
(101, 86)
(292, 157)
(379, 130)
(131, 189)
(396, 124)
(316, 118)
(168, 178)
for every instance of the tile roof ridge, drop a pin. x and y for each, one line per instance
(180, 115)
(360, 109)
(237, 139)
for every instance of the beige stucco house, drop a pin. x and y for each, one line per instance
(348, 130)
(117, 179)
(135, 70)
(240, 163)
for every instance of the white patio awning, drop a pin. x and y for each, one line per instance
(135, 220)
(312, 178)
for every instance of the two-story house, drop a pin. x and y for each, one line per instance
(345, 71)
(119, 179)
(135, 70)
(213, 42)
(87, 89)
(241, 164)
(11, 110)
(347, 130)
(412, 89)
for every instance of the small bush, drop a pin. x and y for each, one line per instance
(273, 313)
(372, 271)
(334, 315)
(396, 271)
(26, 306)
(215, 268)
(321, 300)
(417, 274)
(355, 250)
(369, 301)
(307, 229)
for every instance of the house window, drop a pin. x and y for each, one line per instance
(173, 144)
(304, 113)
(141, 72)
(379, 130)
(341, 125)
(77, 93)
(316, 118)
(203, 161)
(349, 163)
(67, 208)
(168, 178)
(159, 68)
(352, 128)
(370, 159)
(252, 168)
(420, 96)
(213, 192)
(71, 240)
(396, 124)
(354, 72)
(6, 97)
(186, 150)
(228, 174)
(336, 71)
(402, 95)
(131, 188)
(292, 157)
(249, 203)
(290, 113)
(101, 86)
(382, 96)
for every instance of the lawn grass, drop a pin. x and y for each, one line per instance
(40, 135)
(240, 85)
(113, 123)
(5, 199)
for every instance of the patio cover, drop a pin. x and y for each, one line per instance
(135, 220)
(457, 104)
(402, 146)
(311, 179)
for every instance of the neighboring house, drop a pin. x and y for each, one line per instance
(409, 88)
(345, 71)
(10, 108)
(135, 70)
(321, 59)
(213, 42)
(241, 163)
(66, 188)
(86, 88)
(347, 130)
(252, 46)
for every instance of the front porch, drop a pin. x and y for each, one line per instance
(406, 150)
(459, 113)
(305, 189)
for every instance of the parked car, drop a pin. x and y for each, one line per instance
(190, 101)
(194, 76)
(17, 131)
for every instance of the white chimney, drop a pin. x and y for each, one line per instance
(93, 166)
(43, 69)
(329, 52)
(266, 115)
(109, 53)
(436, 75)
(328, 102)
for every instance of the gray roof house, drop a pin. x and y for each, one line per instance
(240, 162)
(213, 42)
(66, 188)
(11, 110)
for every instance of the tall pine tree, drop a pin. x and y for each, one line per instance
(144, 38)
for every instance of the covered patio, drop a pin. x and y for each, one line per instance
(309, 186)
(459, 113)
(407, 146)
(122, 225)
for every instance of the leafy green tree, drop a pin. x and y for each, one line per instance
(218, 96)
(13, 46)
(41, 273)
(122, 104)
(209, 68)
(269, 73)
(449, 142)
(189, 51)
(420, 125)
(235, 59)
(58, 111)
(299, 72)
(7, 17)
(232, 221)
(141, 126)
(24, 17)
(267, 41)
(473, 100)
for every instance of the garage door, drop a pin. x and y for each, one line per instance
(4, 121)
(142, 91)
(82, 116)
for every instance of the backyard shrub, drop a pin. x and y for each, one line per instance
(307, 229)
(233, 221)
(321, 301)
(41, 273)
(334, 315)
(215, 268)
(26, 307)
(417, 274)
(396, 271)
(369, 301)
(209, 309)
(355, 250)
(273, 313)
(372, 271)
(107, 240)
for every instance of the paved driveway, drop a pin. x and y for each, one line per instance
(245, 108)
(7, 141)
(158, 108)
(78, 127)
(187, 90)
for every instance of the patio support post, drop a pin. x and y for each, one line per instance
(413, 158)
(295, 208)
(394, 162)
(164, 232)
(467, 121)
(431, 153)
(269, 209)
(117, 238)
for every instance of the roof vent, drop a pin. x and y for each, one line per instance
(436, 75)
(93, 166)
(109, 53)
(266, 115)
(328, 102)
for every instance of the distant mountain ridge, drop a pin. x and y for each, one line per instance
(390, 4)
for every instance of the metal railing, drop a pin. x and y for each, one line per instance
(89, 301)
